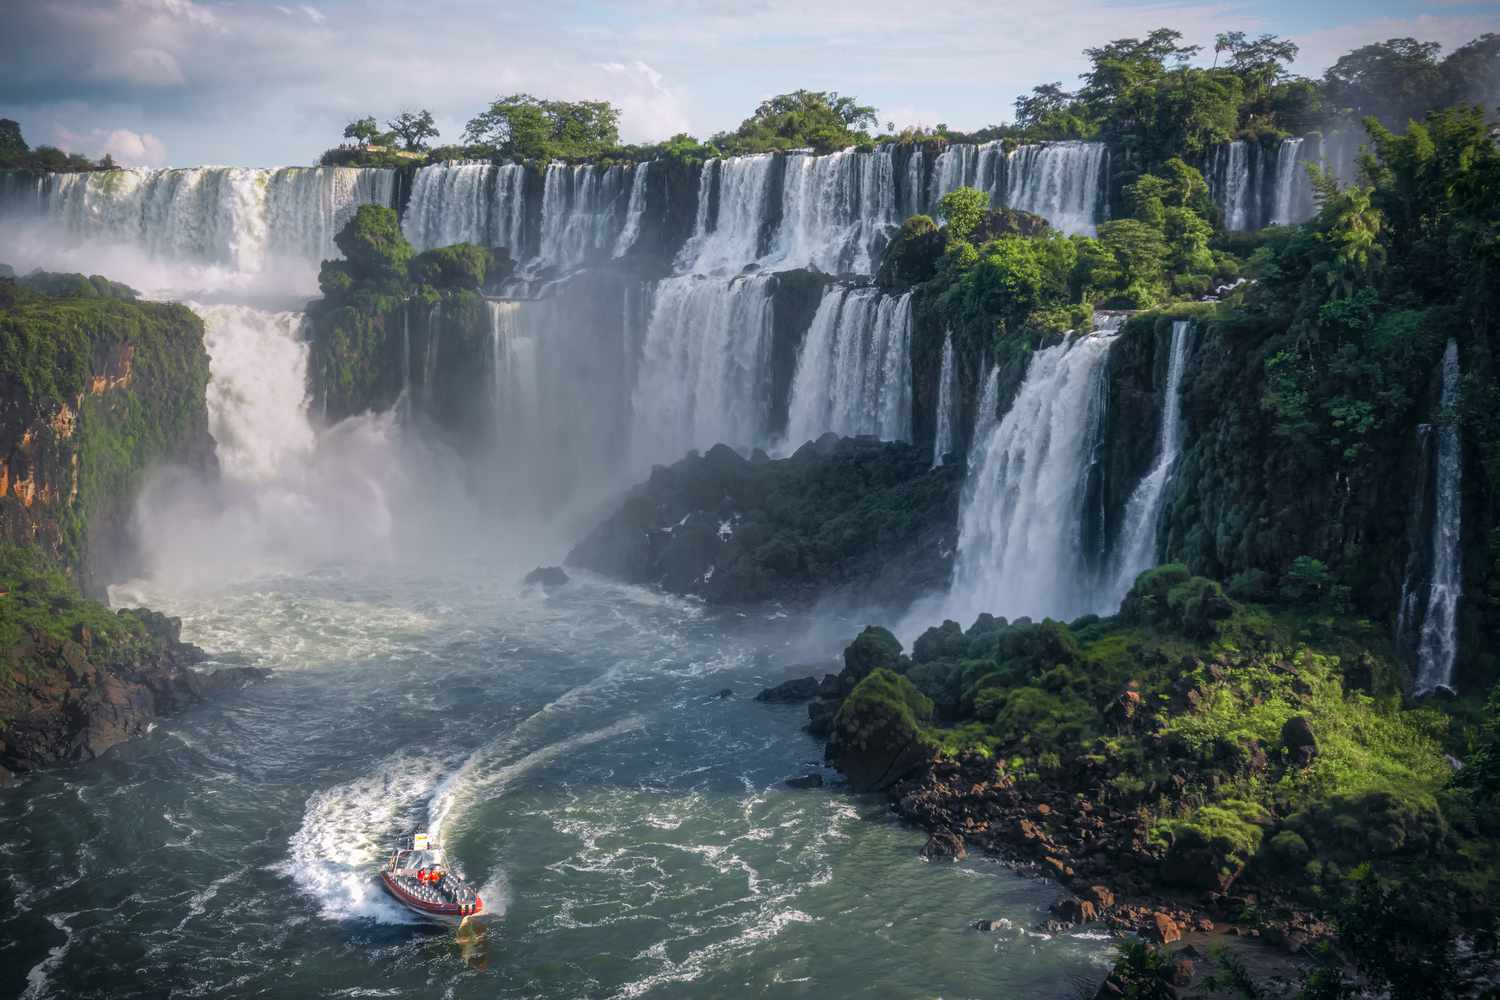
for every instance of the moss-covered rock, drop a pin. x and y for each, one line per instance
(878, 736)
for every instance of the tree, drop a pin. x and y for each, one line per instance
(364, 130)
(11, 141)
(822, 120)
(1395, 81)
(536, 129)
(412, 128)
(1259, 61)
(962, 209)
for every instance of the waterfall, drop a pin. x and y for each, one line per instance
(837, 211)
(854, 372)
(1285, 211)
(728, 237)
(454, 203)
(1020, 540)
(1136, 551)
(245, 221)
(1059, 181)
(943, 438)
(581, 216)
(1233, 187)
(1438, 646)
(633, 210)
(986, 416)
(705, 366)
(515, 380)
(256, 395)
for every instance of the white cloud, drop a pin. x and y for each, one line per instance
(317, 16)
(649, 110)
(129, 149)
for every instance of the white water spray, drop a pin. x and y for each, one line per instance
(1437, 648)
(943, 438)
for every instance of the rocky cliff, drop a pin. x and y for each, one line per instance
(95, 388)
(839, 515)
(79, 679)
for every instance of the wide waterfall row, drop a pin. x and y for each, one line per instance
(240, 219)
(579, 214)
(854, 372)
(1020, 540)
(1256, 187)
(1064, 182)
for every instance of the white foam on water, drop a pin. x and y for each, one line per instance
(346, 831)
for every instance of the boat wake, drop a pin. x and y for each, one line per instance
(346, 831)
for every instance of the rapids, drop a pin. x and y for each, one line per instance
(627, 826)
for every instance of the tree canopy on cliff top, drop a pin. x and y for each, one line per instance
(822, 120)
(537, 129)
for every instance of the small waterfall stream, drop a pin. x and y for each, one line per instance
(1437, 647)
(942, 441)
(854, 372)
(1136, 550)
(1020, 540)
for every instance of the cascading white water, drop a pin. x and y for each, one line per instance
(1020, 539)
(240, 220)
(1234, 191)
(581, 216)
(1437, 649)
(1063, 182)
(705, 366)
(1136, 550)
(836, 211)
(257, 396)
(633, 211)
(456, 203)
(1060, 181)
(987, 415)
(854, 372)
(943, 438)
(1285, 211)
(726, 240)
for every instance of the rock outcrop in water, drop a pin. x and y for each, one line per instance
(96, 388)
(840, 515)
(79, 679)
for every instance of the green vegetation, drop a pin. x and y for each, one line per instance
(38, 597)
(526, 127)
(378, 307)
(16, 154)
(821, 120)
(102, 387)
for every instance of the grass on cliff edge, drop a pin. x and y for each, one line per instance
(38, 597)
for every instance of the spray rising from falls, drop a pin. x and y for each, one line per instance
(1020, 539)
(1136, 551)
(943, 439)
(854, 373)
(987, 415)
(1437, 648)
(239, 220)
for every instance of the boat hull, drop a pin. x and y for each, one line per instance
(446, 914)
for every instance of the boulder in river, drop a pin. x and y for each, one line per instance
(546, 576)
(792, 691)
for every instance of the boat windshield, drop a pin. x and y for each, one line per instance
(431, 858)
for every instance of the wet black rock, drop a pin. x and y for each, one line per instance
(792, 691)
(546, 576)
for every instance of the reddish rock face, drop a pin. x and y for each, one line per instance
(1164, 928)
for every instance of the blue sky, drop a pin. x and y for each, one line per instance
(255, 83)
